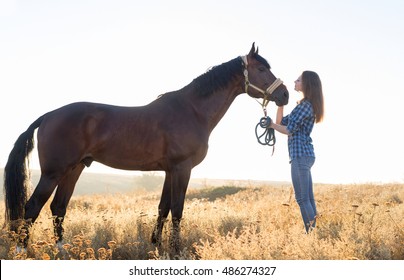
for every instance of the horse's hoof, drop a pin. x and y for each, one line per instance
(59, 245)
(21, 250)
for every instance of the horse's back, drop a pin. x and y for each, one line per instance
(73, 118)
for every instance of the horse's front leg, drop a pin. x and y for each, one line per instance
(163, 210)
(58, 228)
(180, 180)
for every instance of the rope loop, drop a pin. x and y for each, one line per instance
(268, 136)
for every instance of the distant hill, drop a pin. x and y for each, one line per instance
(92, 183)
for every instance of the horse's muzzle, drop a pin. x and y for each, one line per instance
(282, 99)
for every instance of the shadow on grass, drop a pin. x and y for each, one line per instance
(211, 194)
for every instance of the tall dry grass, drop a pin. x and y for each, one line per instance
(355, 222)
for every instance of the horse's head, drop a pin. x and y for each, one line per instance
(260, 82)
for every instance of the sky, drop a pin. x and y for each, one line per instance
(128, 52)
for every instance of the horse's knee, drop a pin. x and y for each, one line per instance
(57, 210)
(38, 199)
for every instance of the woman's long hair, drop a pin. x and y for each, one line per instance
(313, 92)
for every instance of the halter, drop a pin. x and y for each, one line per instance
(266, 93)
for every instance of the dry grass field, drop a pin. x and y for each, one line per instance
(229, 222)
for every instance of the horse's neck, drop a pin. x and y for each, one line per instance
(216, 105)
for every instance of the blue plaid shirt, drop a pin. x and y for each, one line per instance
(300, 123)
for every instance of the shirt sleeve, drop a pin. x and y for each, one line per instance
(297, 117)
(285, 120)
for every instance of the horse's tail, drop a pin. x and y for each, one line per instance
(17, 174)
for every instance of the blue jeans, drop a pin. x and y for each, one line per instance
(303, 185)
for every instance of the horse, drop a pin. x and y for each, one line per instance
(169, 134)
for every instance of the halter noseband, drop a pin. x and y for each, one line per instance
(266, 93)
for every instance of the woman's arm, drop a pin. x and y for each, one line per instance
(280, 128)
(277, 125)
(279, 115)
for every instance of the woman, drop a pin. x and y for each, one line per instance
(298, 126)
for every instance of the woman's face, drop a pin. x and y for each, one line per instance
(298, 84)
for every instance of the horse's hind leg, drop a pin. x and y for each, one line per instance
(38, 199)
(62, 197)
(163, 210)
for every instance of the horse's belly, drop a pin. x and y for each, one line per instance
(140, 162)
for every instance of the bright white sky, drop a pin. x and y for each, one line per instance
(128, 52)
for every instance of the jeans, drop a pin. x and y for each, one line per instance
(303, 186)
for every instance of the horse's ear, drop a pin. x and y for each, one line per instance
(253, 51)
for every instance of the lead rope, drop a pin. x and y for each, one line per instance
(268, 136)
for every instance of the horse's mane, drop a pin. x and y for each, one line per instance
(218, 77)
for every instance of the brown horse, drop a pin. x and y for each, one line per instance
(171, 134)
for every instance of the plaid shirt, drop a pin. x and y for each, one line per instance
(300, 123)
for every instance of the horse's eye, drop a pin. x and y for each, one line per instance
(261, 69)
